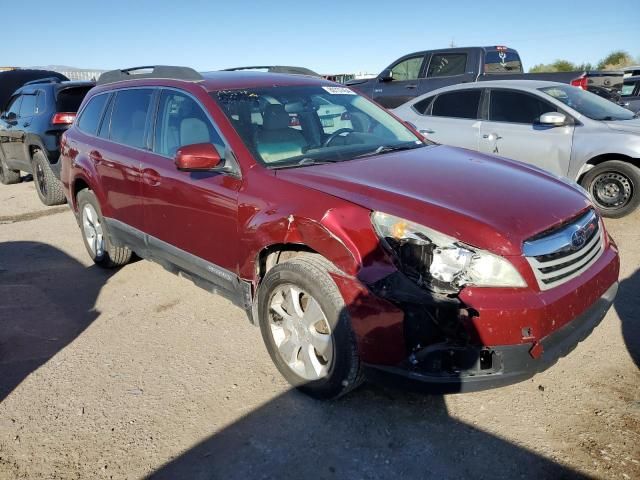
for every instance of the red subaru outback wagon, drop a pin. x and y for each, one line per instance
(360, 249)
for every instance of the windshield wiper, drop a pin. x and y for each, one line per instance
(304, 162)
(390, 148)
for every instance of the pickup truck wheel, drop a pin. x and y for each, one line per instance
(95, 235)
(49, 188)
(306, 328)
(614, 186)
(8, 176)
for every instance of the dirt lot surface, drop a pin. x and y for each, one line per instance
(137, 373)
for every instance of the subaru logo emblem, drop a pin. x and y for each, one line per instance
(578, 239)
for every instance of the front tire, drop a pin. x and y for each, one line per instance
(49, 188)
(95, 236)
(614, 186)
(8, 176)
(306, 328)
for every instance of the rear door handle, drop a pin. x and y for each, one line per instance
(427, 130)
(412, 86)
(151, 177)
(492, 136)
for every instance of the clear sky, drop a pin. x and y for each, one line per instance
(327, 36)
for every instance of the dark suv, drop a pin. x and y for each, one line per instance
(31, 124)
(362, 250)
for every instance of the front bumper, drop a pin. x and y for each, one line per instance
(449, 369)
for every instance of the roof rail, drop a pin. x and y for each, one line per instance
(44, 80)
(152, 71)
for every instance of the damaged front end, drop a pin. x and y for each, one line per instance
(432, 269)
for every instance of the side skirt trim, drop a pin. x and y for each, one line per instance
(202, 273)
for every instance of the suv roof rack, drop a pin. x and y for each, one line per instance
(44, 80)
(151, 71)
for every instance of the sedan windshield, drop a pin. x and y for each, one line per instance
(587, 103)
(290, 126)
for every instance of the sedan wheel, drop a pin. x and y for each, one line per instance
(611, 190)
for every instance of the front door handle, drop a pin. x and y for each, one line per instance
(492, 136)
(411, 86)
(151, 177)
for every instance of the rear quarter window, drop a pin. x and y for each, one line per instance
(69, 99)
(92, 113)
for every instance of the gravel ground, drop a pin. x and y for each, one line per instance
(138, 373)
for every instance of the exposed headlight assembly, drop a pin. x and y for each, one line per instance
(439, 262)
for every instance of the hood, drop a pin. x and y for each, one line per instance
(629, 126)
(488, 202)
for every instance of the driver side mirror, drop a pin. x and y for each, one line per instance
(199, 157)
(553, 119)
(10, 117)
(386, 75)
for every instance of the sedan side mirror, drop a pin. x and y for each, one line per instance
(10, 117)
(386, 75)
(553, 119)
(199, 157)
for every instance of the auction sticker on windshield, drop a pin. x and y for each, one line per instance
(339, 90)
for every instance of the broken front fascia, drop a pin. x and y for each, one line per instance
(440, 263)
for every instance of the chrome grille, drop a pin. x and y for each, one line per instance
(562, 254)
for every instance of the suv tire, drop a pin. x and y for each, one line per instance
(95, 235)
(303, 285)
(49, 188)
(614, 187)
(8, 176)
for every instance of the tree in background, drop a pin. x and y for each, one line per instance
(616, 60)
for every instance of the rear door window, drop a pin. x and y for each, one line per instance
(408, 69)
(69, 99)
(447, 64)
(516, 107)
(92, 113)
(129, 117)
(28, 106)
(457, 104)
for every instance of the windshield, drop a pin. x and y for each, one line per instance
(302, 125)
(587, 103)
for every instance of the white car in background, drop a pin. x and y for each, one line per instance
(563, 129)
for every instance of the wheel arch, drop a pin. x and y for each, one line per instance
(604, 157)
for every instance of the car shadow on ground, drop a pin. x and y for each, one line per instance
(375, 432)
(626, 304)
(47, 299)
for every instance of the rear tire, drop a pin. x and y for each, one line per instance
(8, 176)
(306, 328)
(95, 235)
(49, 188)
(614, 187)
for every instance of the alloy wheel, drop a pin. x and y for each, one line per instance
(40, 180)
(93, 232)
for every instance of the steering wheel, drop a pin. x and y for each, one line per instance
(338, 132)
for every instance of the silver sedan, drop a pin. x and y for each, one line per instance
(562, 129)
